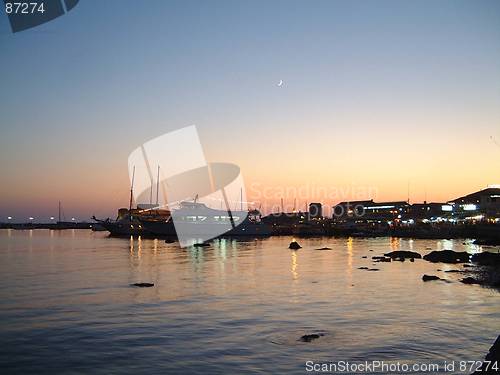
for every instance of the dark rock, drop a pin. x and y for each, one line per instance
(143, 285)
(311, 337)
(324, 248)
(294, 245)
(487, 241)
(364, 257)
(412, 259)
(362, 268)
(403, 254)
(373, 269)
(430, 278)
(382, 259)
(201, 244)
(491, 364)
(447, 256)
(486, 259)
(470, 280)
(455, 271)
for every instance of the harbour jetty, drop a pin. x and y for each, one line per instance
(474, 216)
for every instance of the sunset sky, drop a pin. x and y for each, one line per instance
(377, 96)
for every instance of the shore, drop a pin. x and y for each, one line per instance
(483, 234)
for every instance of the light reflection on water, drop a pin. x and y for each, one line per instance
(238, 306)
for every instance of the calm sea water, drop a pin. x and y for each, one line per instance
(66, 305)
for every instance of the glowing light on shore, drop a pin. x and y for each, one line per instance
(469, 207)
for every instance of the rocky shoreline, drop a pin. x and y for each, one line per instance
(491, 364)
(479, 268)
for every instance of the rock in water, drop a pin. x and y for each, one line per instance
(403, 255)
(430, 278)
(311, 337)
(447, 256)
(488, 241)
(486, 259)
(470, 280)
(202, 244)
(324, 248)
(143, 285)
(491, 364)
(294, 245)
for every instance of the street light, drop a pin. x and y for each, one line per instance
(9, 217)
(31, 218)
(72, 219)
(52, 218)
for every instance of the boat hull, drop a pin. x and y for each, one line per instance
(124, 229)
(167, 229)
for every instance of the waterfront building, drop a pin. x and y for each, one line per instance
(370, 211)
(349, 209)
(483, 204)
(425, 212)
(315, 211)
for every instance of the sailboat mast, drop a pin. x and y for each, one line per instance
(151, 193)
(131, 190)
(157, 185)
(59, 216)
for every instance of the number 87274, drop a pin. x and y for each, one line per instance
(24, 8)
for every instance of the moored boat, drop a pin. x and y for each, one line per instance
(197, 220)
(128, 222)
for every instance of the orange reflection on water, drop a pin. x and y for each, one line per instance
(395, 243)
(350, 248)
(295, 274)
